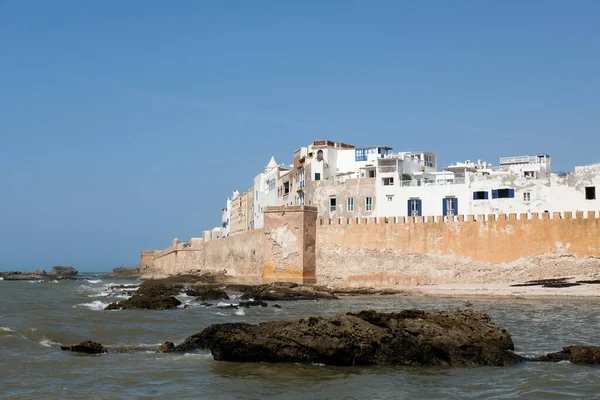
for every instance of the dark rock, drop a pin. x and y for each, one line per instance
(87, 347)
(279, 291)
(252, 303)
(549, 283)
(63, 272)
(167, 347)
(126, 273)
(205, 304)
(209, 293)
(227, 306)
(160, 288)
(146, 302)
(238, 287)
(412, 337)
(574, 354)
(40, 274)
(276, 306)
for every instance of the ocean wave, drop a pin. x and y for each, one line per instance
(240, 311)
(35, 281)
(55, 281)
(48, 343)
(95, 305)
(1, 278)
(93, 281)
(225, 305)
(5, 329)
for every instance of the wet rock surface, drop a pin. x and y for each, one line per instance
(253, 303)
(412, 337)
(151, 295)
(210, 293)
(574, 354)
(87, 347)
(126, 273)
(281, 291)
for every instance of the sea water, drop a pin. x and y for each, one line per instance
(36, 317)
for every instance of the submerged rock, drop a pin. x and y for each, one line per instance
(252, 303)
(412, 337)
(574, 354)
(87, 347)
(287, 291)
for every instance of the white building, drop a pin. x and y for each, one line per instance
(518, 185)
(265, 190)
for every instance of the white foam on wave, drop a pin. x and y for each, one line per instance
(94, 281)
(223, 305)
(35, 281)
(47, 343)
(240, 311)
(95, 305)
(1, 278)
(55, 281)
(5, 329)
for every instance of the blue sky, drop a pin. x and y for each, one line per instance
(124, 124)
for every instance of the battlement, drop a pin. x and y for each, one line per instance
(461, 218)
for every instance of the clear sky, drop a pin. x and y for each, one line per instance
(124, 124)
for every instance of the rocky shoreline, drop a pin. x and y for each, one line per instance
(460, 338)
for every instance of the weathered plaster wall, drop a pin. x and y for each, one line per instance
(241, 255)
(388, 254)
(288, 247)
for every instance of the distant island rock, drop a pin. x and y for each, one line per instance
(40, 274)
(63, 272)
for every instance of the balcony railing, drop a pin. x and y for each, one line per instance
(414, 183)
(386, 169)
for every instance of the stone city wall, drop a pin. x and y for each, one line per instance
(389, 252)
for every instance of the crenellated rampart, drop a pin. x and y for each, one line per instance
(388, 252)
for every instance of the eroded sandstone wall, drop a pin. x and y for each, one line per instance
(483, 248)
(241, 255)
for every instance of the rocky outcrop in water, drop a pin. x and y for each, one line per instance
(574, 354)
(412, 337)
(87, 347)
(40, 274)
(287, 291)
(209, 293)
(125, 273)
(151, 295)
(63, 272)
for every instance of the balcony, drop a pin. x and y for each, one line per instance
(387, 169)
(416, 183)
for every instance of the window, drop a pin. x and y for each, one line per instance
(590, 193)
(414, 207)
(368, 203)
(450, 206)
(372, 174)
(301, 198)
(527, 196)
(360, 154)
(390, 197)
(286, 188)
(350, 204)
(480, 195)
(529, 174)
(317, 176)
(388, 181)
(503, 193)
(332, 204)
(301, 173)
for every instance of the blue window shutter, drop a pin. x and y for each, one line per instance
(409, 207)
(456, 206)
(444, 206)
(419, 207)
(485, 195)
(474, 195)
(494, 194)
(511, 193)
